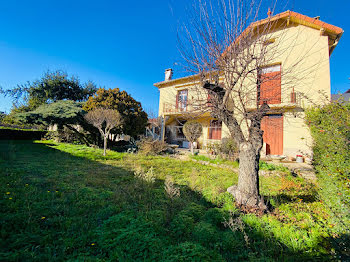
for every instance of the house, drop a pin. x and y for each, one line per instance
(303, 44)
(345, 98)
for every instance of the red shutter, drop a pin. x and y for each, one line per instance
(177, 100)
(270, 85)
(215, 130)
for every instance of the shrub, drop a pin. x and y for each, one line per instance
(21, 134)
(65, 135)
(226, 149)
(330, 129)
(213, 148)
(148, 146)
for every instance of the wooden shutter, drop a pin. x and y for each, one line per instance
(215, 129)
(269, 88)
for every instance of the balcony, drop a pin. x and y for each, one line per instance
(290, 100)
(169, 108)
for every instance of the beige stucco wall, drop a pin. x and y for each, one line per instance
(303, 53)
(296, 135)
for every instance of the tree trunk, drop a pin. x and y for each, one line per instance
(247, 191)
(104, 145)
(191, 145)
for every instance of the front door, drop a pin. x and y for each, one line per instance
(272, 125)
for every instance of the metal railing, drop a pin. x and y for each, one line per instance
(173, 108)
(289, 99)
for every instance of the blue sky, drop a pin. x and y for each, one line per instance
(125, 44)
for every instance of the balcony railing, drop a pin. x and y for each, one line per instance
(292, 99)
(169, 108)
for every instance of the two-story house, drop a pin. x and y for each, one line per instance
(304, 44)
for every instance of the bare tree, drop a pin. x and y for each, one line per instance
(192, 130)
(104, 120)
(227, 49)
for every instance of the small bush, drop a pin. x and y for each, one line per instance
(226, 149)
(148, 146)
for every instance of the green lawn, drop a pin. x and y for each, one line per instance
(68, 202)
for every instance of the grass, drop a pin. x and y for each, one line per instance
(217, 160)
(68, 202)
(220, 161)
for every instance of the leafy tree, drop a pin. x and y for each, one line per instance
(134, 118)
(51, 87)
(192, 130)
(2, 116)
(104, 120)
(63, 113)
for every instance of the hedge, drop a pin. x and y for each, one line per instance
(330, 129)
(21, 134)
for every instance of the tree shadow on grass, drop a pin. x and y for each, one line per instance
(68, 207)
(284, 198)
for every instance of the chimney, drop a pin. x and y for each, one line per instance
(168, 74)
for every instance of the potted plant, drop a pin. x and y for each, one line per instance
(299, 159)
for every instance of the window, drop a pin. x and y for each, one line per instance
(210, 99)
(215, 130)
(269, 85)
(181, 100)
